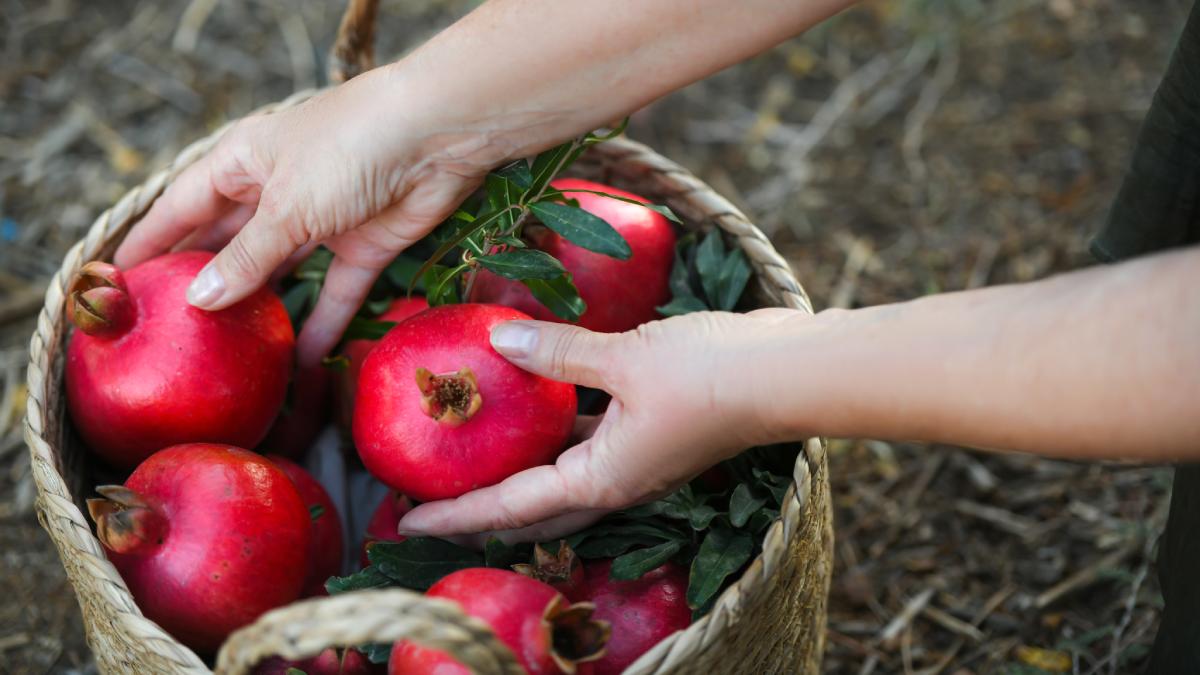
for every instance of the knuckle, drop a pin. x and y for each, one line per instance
(564, 352)
(240, 259)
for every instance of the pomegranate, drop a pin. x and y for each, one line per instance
(563, 571)
(304, 415)
(325, 549)
(356, 352)
(329, 662)
(384, 522)
(620, 294)
(440, 413)
(642, 612)
(207, 537)
(145, 370)
(545, 633)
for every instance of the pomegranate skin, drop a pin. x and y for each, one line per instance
(325, 548)
(356, 352)
(642, 612)
(301, 421)
(384, 522)
(511, 604)
(620, 294)
(177, 374)
(515, 420)
(237, 530)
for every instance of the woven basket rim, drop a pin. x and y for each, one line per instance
(72, 533)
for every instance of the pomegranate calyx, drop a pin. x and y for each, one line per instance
(575, 637)
(551, 568)
(98, 302)
(450, 399)
(125, 521)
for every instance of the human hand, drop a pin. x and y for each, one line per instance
(687, 392)
(352, 168)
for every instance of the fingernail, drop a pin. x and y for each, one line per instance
(514, 339)
(407, 528)
(206, 288)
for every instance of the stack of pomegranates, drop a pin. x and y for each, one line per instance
(209, 534)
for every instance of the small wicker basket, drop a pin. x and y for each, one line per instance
(772, 620)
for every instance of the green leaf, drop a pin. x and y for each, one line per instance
(377, 653)
(583, 229)
(722, 553)
(500, 555)
(710, 255)
(634, 564)
(294, 671)
(510, 240)
(701, 516)
(735, 272)
(776, 485)
(338, 362)
(657, 208)
(550, 163)
(743, 504)
(518, 174)
(366, 329)
(363, 579)
(454, 239)
(501, 194)
(315, 265)
(559, 296)
(611, 546)
(682, 304)
(762, 519)
(418, 562)
(315, 511)
(441, 285)
(523, 264)
(299, 299)
(401, 272)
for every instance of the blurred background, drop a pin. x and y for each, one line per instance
(906, 147)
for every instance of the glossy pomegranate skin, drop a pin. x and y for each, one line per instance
(620, 294)
(356, 352)
(325, 549)
(511, 604)
(642, 612)
(179, 374)
(384, 521)
(524, 420)
(237, 534)
(328, 662)
(307, 411)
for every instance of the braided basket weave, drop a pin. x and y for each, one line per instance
(772, 620)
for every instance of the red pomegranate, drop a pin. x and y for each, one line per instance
(383, 523)
(325, 549)
(356, 352)
(145, 370)
(620, 294)
(304, 414)
(207, 537)
(329, 662)
(642, 612)
(440, 413)
(545, 633)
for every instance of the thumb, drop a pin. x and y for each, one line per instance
(243, 266)
(557, 351)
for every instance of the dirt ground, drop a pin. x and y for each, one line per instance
(908, 147)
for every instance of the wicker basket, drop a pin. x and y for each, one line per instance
(772, 620)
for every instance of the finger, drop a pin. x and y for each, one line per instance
(346, 286)
(245, 264)
(585, 426)
(187, 204)
(521, 500)
(557, 351)
(219, 233)
(547, 530)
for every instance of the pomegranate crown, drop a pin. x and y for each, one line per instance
(575, 637)
(98, 302)
(552, 568)
(125, 521)
(452, 398)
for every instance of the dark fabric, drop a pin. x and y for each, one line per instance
(1157, 208)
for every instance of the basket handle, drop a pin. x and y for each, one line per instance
(304, 629)
(354, 50)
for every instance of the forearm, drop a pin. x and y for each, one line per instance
(517, 76)
(1103, 363)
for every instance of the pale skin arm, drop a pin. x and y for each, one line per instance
(1098, 364)
(374, 165)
